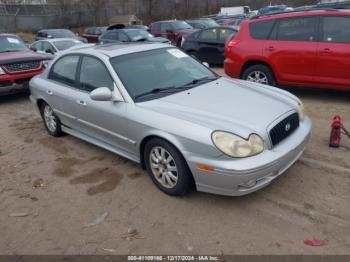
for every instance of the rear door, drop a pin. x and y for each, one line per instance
(333, 60)
(62, 92)
(208, 45)
(292, 49)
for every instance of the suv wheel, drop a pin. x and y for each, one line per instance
(261, 74)
(51, 122)
(167, 168)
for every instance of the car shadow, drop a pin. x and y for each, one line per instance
(14, 98)
(323, 94)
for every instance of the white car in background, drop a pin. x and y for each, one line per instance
(57, 45)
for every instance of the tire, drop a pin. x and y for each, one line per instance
(181, 181)
(260, 73)
(51, 121)
(194, 54)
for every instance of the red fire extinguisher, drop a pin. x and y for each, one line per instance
(337, 130)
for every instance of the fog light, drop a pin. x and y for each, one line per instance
(249, 184)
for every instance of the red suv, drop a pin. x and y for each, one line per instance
(306, 48)
(174, 30)
(18, 64)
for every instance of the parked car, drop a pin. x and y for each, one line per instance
(202, 23)
(57, 33)
(129, 35)
(208, 45)
(55, 46)
(183, 123)
(174, 30)
(18, 64)
(92, 34)
(306, 48)
(273, 9)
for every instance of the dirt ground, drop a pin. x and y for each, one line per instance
(65, 196)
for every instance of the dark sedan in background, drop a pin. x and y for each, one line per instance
(208, 45)
(129, 35)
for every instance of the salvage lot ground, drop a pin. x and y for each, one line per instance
(65, 196)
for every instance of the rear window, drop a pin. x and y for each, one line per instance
(261, 30)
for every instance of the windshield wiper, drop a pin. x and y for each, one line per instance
(174, 89)
(170, 89)
(200, 81)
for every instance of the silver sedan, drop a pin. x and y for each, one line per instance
(188, 127)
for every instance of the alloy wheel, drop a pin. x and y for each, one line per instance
(258, 77)
(163, 167)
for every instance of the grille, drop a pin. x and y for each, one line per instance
(284, 129)
(24, 66)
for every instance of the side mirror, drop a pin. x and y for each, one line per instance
(33, 49)
(49, 51)
(206, 64)
(101, 94)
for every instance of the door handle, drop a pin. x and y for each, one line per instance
(49, 92)
(326, 51)
(81, 102)
(271, 48)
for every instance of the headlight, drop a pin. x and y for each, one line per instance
(235, 146)
(2, 72)
(301, 110)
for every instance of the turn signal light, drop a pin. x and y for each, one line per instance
(205, 168)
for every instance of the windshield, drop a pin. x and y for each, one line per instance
(12, 44)
(180, 25)
(65, 44)
(158, 70)
(209, 23)
(61, 33)
(137, 35)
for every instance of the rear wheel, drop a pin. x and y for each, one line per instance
(167, 168)
(51, 122)
(261, 74)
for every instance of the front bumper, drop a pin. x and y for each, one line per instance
(230, 176)
(16, 83)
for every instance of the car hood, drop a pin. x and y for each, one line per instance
(230, 105)
(22, 56)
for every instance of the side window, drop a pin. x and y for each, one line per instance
(297, 29)
(164, 27)
(123, 37)
(38, 46)
(209, 35)
(336, 29)
(261, 30)
(64, 70)
(224, 33)
(48, 48)
(94, 74)
(156, 27)
(111, 36)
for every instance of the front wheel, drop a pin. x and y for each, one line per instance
(167, 168)
(261, 74)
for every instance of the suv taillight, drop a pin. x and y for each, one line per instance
(232, 43)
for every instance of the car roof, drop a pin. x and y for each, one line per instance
(113, 50)
(168, 21)
(309, 12)
(54, 29)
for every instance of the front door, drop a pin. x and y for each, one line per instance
(104, 121)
